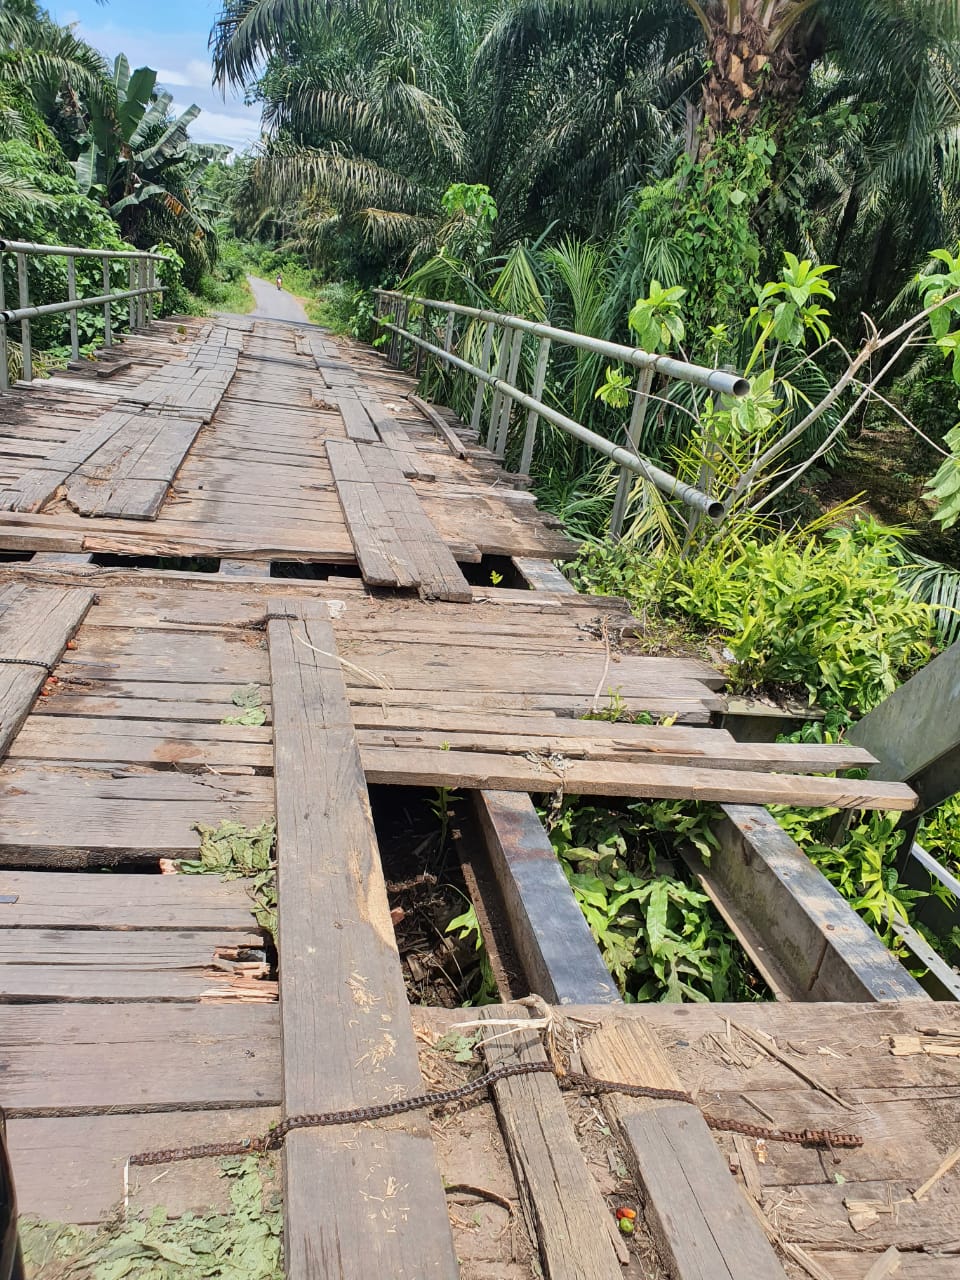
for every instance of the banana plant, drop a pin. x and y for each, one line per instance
(129, 146)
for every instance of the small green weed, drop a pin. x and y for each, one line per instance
(233, 850)
(249, 699)
(482, 983)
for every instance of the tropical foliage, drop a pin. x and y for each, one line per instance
(91, 154)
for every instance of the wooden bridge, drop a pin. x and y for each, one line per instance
(246, 505)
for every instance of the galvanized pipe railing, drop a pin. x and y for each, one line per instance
(506, 393)
(140, 296)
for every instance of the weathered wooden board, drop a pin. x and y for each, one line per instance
(424, 767)
(561, 1201)
(130, 476)
(118, 965)
(831, 953)
(89, 1154)
(396, 544)
(560, 959)
(52, 900)
(138, 1057)
(36, 624)
(700, 1219)
(359, 1202)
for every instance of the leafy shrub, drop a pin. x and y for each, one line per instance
(826, 614)
(659, 936)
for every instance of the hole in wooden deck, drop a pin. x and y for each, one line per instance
(167, 564)
(8, 557)
(424, 835)
(312, 572)
(494, 571)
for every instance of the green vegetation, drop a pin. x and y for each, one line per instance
(233, 850)
(660, 937)
(243, 1243)
(91, 154)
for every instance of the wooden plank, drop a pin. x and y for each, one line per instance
(59, 817)
(52, 900)
(560, 959)
(697, 1213)
(479, 770)
(830, 953)
(453, 441)
(36, 623)
(89, 1154)
(562, 1204)
(138, 1057)
(542, 575)
(347, 1036)
(129, 476)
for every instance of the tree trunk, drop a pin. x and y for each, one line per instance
(746, 76)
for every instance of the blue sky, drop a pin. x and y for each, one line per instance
(170, 36)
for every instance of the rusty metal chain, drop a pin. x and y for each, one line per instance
(274, 1138)
(27, 662)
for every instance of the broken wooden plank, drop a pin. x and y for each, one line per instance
(36, 623)
(86, 965)
(562, 1203)
(89, 1154)
(453, 441)
(359, 1201)
(553, 942)
(542, 575)
(697, 1213)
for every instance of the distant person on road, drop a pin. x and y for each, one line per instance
(279, 282)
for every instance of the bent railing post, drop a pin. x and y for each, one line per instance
(626, 482)
(107, 320)
(502, 359)
(503, 426)
(26, 344)
(4, 366)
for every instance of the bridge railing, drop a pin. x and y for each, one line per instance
(499, 369)
(139, 296)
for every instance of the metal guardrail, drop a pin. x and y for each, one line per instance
(139, 296)
(501, 375)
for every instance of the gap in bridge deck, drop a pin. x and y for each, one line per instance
(431, 852)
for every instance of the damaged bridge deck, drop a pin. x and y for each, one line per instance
(236, 516)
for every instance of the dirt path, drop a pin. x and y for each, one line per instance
(275, 304)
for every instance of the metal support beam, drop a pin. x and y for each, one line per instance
(72, 297)
(481, 386)
(503, 426)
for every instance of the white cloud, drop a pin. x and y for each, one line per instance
(226, 120)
